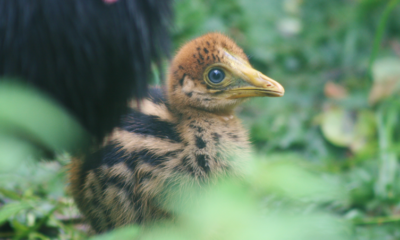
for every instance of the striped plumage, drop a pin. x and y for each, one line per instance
(168, 145)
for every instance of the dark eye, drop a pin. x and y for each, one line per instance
(216, 75)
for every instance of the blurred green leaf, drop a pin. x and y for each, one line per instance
(14, 152)
(386, 76)
(10, 209)
(294, 182)
(345, 128)
(10, 194)
(32, 115)
(338, 127)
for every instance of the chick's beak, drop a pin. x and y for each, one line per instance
(256, 83)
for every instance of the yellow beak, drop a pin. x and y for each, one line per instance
(256, 83)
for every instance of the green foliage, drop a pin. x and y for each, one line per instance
(332, 116)
(240, 209)
(42, 124)
(327, 153)
(33, 203)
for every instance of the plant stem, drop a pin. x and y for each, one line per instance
(377, 220)
(38, 224)
(379, 33)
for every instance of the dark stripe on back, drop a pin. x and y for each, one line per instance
(202, 161)
(96, 202)
(96, 223)
(151, 158)
(148, 157)
(109, 155)
(119, 182)
(112, 154)
(140, 123)
(187, 165)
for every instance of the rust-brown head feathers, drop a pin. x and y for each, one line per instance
(212, 73)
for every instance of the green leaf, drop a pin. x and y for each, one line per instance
(10, 194)
(386, 76)
(338, 127)
(10, 209)
(32, 115)
(15, 152)
(344, 128)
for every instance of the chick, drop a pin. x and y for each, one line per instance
(172, 142)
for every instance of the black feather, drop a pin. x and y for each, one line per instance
(87, 55)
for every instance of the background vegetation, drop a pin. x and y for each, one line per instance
(327, 153)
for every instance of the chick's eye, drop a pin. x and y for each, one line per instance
(216, 75)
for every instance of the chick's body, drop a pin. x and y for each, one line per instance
(170, 145)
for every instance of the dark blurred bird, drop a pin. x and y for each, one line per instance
(189, 138)
(90, 56)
